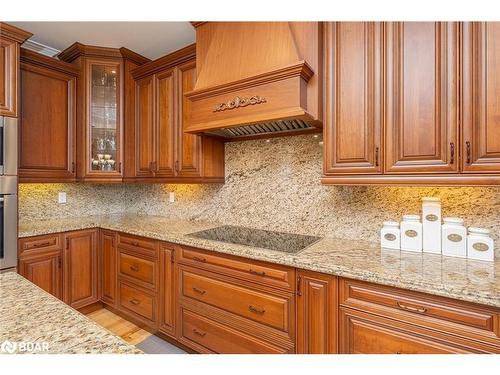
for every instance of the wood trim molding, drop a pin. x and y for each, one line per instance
(35, 58)
(301, 69)
(196, 24)
(451, 180)
(168, 61)
(133, 56)
(78, 49)
(14, 33)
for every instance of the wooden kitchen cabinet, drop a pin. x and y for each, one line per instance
(481, 97)
(422, 97)
(104, 80)
(163, 151)
(317, 313)
(45, 270)
(47, 126)
(81, 268)
(167, 289)
(107, 267)
(11, 38)
(353, 137)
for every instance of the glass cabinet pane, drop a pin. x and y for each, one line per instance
(103, 118)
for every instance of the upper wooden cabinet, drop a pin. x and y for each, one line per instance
(10, 39)
(100, 109)
(422, 97)
(47, 126)
(353, 83)
(481, 97)
(163, 152)
(420, 112)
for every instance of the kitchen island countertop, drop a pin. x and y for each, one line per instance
(462, 279)
(34, 321)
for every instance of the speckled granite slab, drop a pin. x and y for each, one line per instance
(466, 280)
(30, 315)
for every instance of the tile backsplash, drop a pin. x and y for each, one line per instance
(272, 184)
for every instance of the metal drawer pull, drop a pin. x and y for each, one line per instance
(134, 301)
(40, 244)
(198, 259)
(199, 333)
(419, 310)
(259, 273)
(135, 243)
(198, 290)
(256, 310)
(134, 268)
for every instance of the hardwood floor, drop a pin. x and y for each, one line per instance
(119, 326)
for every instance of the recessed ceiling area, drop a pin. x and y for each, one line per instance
(150, 39)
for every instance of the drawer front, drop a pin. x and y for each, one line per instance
(138, 269)
(144, 245)
(258, 306)
(218, 338)
(138, 301)
(367, 335)
(452, 316)
(251, 270)
(32, 245)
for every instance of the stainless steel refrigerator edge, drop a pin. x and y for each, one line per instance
(8, 193)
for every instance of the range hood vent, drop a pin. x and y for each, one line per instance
(262, 129)
(256, 79)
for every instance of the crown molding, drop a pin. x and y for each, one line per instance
(133, 56)
(34, 58)
(14, 33)
(196, 24)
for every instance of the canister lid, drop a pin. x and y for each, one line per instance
(479, 230)
(431, 199)
(411, 217)
(391, 224)
(453, 220)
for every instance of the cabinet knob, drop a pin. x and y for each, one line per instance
(256, 310)
(376, 156)
(134, 301)
(452, 153)
(468, 151)
(199, 333)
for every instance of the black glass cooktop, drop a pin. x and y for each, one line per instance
(279, 241)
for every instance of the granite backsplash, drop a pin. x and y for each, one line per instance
(270, 184)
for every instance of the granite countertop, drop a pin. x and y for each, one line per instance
(467, 280)
(28, 314)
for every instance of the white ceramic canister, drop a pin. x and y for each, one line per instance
(454, 237)
(480, 245)
(411, 233)
(431, 225)
(390, 235)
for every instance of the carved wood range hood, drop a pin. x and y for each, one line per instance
(256, 79)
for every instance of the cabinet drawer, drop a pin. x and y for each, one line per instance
(31, 245)
(442, 314)
(138, 301)
(251, 270)
(138, 269)
(365, 334)
(214, 337)
(141, 244)
(259, 306)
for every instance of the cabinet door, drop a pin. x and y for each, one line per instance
(47, 125)
(80, 268)
(317, 306)
(422, 97)
(43, 270)
(107, 261)
(165, 122)
(9, 65)
(362, 333)
(145, 128)
(353, 97)
(189, 150)
(103, 154)
(481, 97)
(167, 290)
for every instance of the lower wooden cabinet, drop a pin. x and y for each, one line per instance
(107, 267)
(44, 270)
(80, 268)
(317, 305)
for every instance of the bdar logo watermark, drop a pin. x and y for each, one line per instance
(23, 347)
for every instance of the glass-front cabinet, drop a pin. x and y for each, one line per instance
(104, 119)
